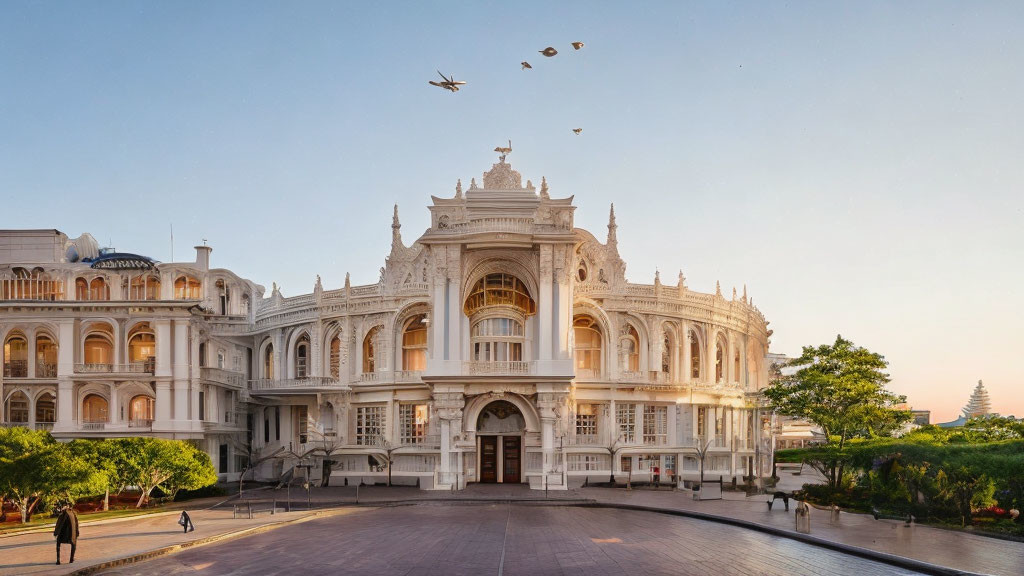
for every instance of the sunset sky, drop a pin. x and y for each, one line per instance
(859, 166)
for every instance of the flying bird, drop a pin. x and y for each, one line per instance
(448, 83)
(549, 51)
(577, 45)
(525, 64)
(577, 131)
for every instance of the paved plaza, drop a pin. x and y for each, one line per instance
(508, 539)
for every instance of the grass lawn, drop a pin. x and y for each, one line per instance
(44, 519)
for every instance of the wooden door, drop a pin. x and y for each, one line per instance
(511, 457)
(488, 458)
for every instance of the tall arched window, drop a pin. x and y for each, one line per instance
(141, 409)
(587, 348)
(719, 359)
(336, 357)
(498, 306)
(94, 409)
(497, 340)
(81, 289)
(414, 344)
(694, 356)
(142, 348)
(16, 357)
(46, 409)
(98, 289)
(668, 345)
(46, 357)
(370, 350)
(98, 350)
(268, 361)
(302, 357)
(186, 288)
(17, 408)
(629, 350)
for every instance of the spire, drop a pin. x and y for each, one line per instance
(979, 404)
(458, 188)
(544, 187)
(657, 277)
(681, 286)
(734, 293)
(612, 238)
(348, 281)
(744, 293)
(396, 230)
(718, 289)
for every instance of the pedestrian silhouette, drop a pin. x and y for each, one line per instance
(66, 531)
(186, 522)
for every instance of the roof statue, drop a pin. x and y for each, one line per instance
(544, 187)
(504, 151)
(458, 188)
(979, 404)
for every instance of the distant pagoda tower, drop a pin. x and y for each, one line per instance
(979, 404)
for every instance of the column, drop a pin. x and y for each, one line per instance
(114, 409)
(547, 442)
(563, 316)
(65, 368)
(163, 405)
(712, 374)
(181, 371)
(455, 351)
(194, 385)
(544, 312)
(31, 336)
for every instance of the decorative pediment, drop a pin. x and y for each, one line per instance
(501, 176)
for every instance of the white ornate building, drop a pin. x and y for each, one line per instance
(503, 345)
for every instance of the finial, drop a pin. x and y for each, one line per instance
(396, 230)
(657, 277)
(318, 285)
(544, 187)
(472, 183)
(458, 188)
(274, 284)
(734, 293)
(744, 292)
(682, 279)
(718, 289)
(612, 238)
(348, 283)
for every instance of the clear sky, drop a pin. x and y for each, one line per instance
(860, 165)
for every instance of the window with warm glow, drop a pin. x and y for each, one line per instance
(414, 345)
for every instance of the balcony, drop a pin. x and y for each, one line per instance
(296, 385)
(86, 425)
(589, 440)
(228, 378)
(509, 368)
(388, 377)
(46, 370)
(16, 369)
(143, 367)
(140, 423)
(44, 425)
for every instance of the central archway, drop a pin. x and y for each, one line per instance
(499, 436)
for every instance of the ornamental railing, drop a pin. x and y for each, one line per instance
(311, 383)
(143, 367)
(16, 369)
(223, 377)
(498, 368)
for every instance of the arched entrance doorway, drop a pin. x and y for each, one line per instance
(499, 436)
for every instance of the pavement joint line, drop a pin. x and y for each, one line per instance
(223, 537)
(504, 540)
(97, 522)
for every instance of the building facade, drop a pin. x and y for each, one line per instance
(503, 345)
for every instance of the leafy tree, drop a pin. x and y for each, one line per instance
(109, 459)
(35, 469)
(965, 490)
(169, 464)
(841, 388)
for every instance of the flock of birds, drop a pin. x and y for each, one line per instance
(451, 84)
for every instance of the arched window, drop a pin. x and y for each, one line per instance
(668, 345)
(46, 357)
(694, 356)
(245, 304)
(81, 289)
(497, 339)
(414, 344)
(142, 349)
(336, 357)
(98, 289)
(719, 359)
(582, 272)
(98, 350)
(186, 288)
(629, 350)
(499, 290)
(46, 409)
(16, 357)
(302, 357)
(144, 287)
(736, 367)
(17, 408)
(34, 285)
(94, 409)
(268, 361)
(587, 348)
(141, 410)
(370, 350)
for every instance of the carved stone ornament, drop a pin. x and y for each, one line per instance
(501, 176)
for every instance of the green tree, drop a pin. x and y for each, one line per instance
(35, 469)
(841, 388)
(170, 464)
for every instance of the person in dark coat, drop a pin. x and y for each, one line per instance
(186, 522)
(66, 531)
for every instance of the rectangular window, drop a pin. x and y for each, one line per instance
(625, 418)
(702, 421)
(266, 430)
(414, 422)
(369, 425)
(277, 423)
(222, 461)
(586, 423)
(656, 425)
(302, 423)
(202, 405)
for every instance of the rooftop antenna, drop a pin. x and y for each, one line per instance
(204, 241)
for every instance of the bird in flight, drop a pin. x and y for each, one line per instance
(549, 51)
(448, 83)
(577, 131)
(577, 45)
(525, 64)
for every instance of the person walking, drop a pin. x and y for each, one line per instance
(186, 522)
(66, 531)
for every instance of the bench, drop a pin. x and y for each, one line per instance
(250, 507)
(776, 496)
